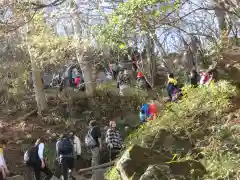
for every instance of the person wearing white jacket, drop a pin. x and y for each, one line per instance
(77, 145)
(77, 149)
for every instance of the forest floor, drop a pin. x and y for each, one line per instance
(21, 132)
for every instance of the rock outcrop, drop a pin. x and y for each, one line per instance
(136, 160)
(139, 163)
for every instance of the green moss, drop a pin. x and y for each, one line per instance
(112, 174)
(198, 105)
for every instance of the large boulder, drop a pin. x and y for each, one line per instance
(189, 169)
(156, 172)
(136, 160)
(170, 141)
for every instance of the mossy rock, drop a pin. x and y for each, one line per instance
(167, 140)
(136, 160)
(190, 169)
(156, 172)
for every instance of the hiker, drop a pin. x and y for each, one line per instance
(205, 78)
(3, 167)
(77, 147)
(171, 85)
(124, 81)
(152, 109)
(94, 142)
(77, 81)
(65, 154)
(176, 95)
(141, 81)
(194, 78)
(119, 78)
(34, 159)
(143, 116)
(113, 140)
(114, 68)
(144, 113)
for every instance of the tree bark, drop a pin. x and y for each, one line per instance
(82, 60)
(37, 81)
(151, 60)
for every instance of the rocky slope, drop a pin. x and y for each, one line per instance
(192, 139)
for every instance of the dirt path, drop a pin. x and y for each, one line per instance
(21, 135)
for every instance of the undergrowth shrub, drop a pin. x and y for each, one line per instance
(199, 107)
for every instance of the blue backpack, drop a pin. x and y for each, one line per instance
(145, 108)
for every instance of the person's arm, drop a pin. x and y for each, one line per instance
(57, 151)
(40, 153)
(3, 162)
(78, 145)
(100, 138)
(107, 137)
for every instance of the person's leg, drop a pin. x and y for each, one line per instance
(70, 164)
(169, 94)
(1, 176)
(114, 153)
(3, 172)
(95, 156)
(37, 172)
(64, 169)
(121, 90)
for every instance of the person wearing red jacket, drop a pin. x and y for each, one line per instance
(152, 111)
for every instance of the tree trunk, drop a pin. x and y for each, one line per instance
(221, 16)
(151, 61)
(37, 81)
(84, 64)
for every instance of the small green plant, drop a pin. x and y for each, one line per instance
(198, 105)
(112, 174)
(50, 156)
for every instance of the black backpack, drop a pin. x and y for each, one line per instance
(31, 156)
(65, 146)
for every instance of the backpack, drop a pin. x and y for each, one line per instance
(65, 146)
(31, 156)
(89, 140)
(145, 108)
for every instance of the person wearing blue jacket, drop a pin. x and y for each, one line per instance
(144, 114)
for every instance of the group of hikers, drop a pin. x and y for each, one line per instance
(149, 111)
(68, 152)
(68, 146)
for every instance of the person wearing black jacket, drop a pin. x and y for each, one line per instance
(194, 78)
(65, 155)
(37, 160)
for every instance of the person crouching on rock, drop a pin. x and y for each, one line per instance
(3, 167)
(77, 81)
(114, 140)
(153, 111)
(142, 116)
(171, 85)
